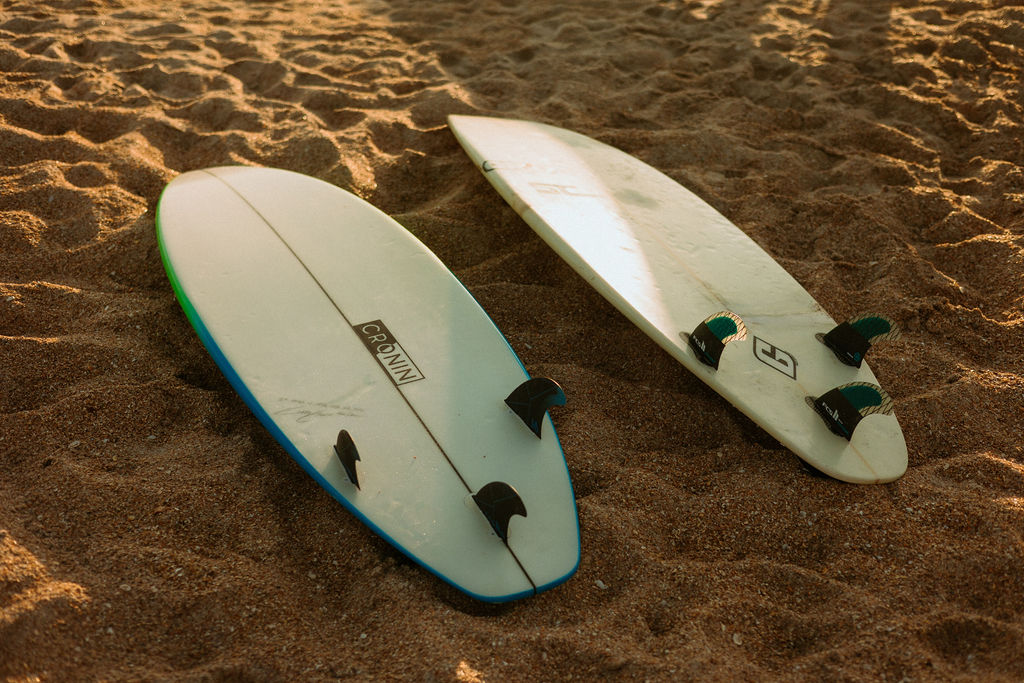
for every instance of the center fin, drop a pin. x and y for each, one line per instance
(499, 501)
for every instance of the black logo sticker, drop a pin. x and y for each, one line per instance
(489, 166)
(388, 352)
(774, 357)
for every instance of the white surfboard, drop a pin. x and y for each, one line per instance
(349, 339)
(670, 262)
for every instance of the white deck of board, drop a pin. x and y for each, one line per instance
(667, 260)
(280, 331)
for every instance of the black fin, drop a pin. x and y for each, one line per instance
(851, 340)
(347, 454)
(499, 501)
(844, 407)
(708, 339)
(531, 399)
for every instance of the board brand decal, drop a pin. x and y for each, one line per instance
(774, 357)
(388, 352)
(306, 411)
(564, 190)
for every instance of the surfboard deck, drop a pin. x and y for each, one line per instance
(327, 315)
(667, 260)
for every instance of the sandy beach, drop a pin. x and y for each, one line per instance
(152, 530)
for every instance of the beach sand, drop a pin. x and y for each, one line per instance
(151, 529)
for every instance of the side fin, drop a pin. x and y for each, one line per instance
(499, 501)
(851, 340)
(348, 455)
(531, 399)
(708, 339)
(844, 407)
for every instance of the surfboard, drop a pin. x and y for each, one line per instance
(378, 372)
(702, 289)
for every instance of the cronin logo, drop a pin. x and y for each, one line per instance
(388, 352)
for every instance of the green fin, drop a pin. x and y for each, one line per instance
(726, 326)
(867, 398)
(875, 327)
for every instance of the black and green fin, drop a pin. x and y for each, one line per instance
(499, 502)
(347, 453)
(531, 400)
(708, 339)
(851, 340)
(844, 407)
